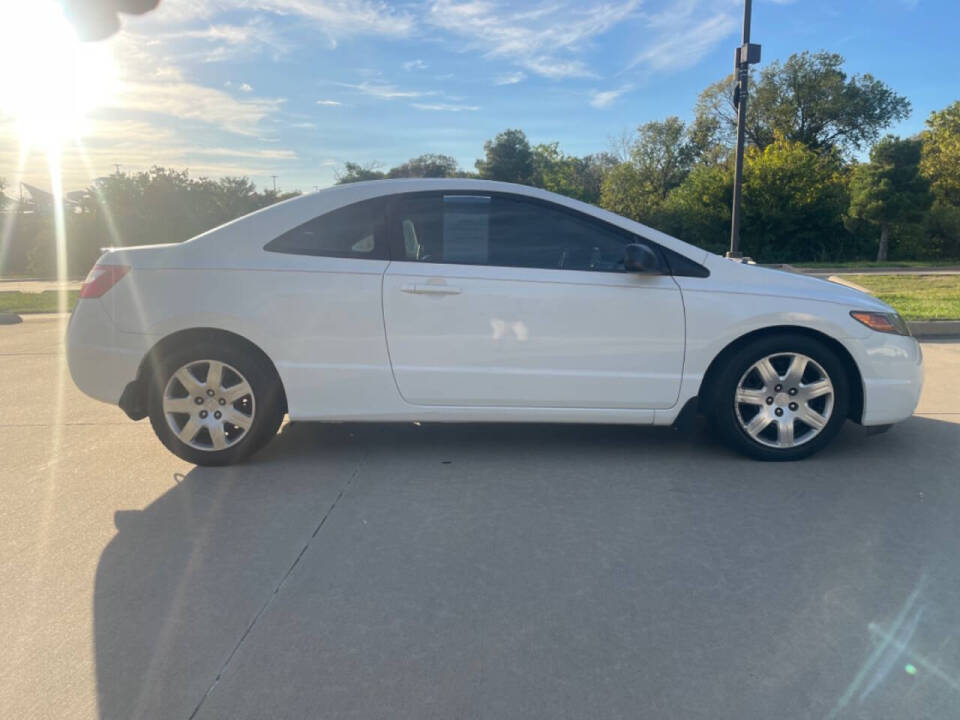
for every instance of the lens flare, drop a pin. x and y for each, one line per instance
(51, 81)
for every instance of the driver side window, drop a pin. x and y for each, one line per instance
(506, 232)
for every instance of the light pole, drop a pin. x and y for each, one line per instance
(746, 55)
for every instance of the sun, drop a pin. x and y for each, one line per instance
(51, 80)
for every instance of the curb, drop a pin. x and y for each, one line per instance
(932, 270)
(10, 319)
(849, 283)
(930, 329)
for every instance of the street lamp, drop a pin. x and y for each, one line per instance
(747, 54)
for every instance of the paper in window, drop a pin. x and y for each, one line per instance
(466, 229)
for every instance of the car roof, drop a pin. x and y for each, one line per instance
(290, 213)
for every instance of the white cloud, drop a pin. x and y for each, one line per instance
(153, 85)
(511, 78)
(244, 153)
(246, 87)
(342, 18)
(329, 102)
(177, 11)
(335, 18)
(603, 98)
(415, 65)
(232, 34)
(681, 43)
(386, 91)
(543, 40)
(138, 145)
(222, 42)
(194, 102)
(445, 107)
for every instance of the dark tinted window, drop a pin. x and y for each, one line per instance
(355, 231)
(495, 230)
(682, 265)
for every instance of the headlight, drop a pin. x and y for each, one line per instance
(882, 322)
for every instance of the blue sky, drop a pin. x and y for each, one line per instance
(294, 88)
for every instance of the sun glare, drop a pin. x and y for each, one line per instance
(51, 81)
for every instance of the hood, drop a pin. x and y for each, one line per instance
(757, 280)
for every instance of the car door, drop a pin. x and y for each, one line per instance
(502, 300)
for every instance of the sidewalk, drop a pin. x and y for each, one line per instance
(37, 286)
(826, 272)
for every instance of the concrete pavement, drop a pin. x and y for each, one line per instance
(397, 571)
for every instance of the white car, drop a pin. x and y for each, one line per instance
(466, 300)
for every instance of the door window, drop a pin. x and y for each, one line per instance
(354, 231)
(507, 232)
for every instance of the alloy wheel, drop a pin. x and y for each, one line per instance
(209, 405)
(784, 400)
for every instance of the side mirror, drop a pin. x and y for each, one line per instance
(640, 258)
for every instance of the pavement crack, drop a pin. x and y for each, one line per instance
(279, 586)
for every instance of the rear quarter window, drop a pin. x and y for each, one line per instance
(353, 231)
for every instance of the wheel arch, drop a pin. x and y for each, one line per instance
(705, 396)
(133, 400)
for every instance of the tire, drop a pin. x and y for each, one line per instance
(789, 423)
(202, 412)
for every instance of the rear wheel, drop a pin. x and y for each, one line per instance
(213, 403)
(781, 398)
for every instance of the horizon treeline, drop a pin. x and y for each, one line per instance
(806, 195)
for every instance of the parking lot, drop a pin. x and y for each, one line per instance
(444, 571)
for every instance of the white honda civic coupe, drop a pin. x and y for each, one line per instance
(474, 301)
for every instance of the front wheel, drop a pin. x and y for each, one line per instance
(782, 397)
(213, 403)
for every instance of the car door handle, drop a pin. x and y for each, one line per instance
(420, 289)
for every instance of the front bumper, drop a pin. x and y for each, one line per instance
(892, 371)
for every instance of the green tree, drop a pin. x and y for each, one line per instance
(942, 231)
(576, 177)
(163, 205)
(889, 190)
(663, 154)
(660, 157)
(810, 99)
(355, 172)
(940, 163)
(793, 200)
(507, 157)
(793, 203)
(430, 165)
(698, 211)
(624, 193)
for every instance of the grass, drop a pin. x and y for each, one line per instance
(916, 297)
(874, 264)
(47, 301)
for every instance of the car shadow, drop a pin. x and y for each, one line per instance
(184, 579)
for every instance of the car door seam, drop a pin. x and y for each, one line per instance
(386, 336)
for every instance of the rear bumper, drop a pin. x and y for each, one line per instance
(102, 359)
(892, 370)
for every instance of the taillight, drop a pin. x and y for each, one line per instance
(101, 278)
